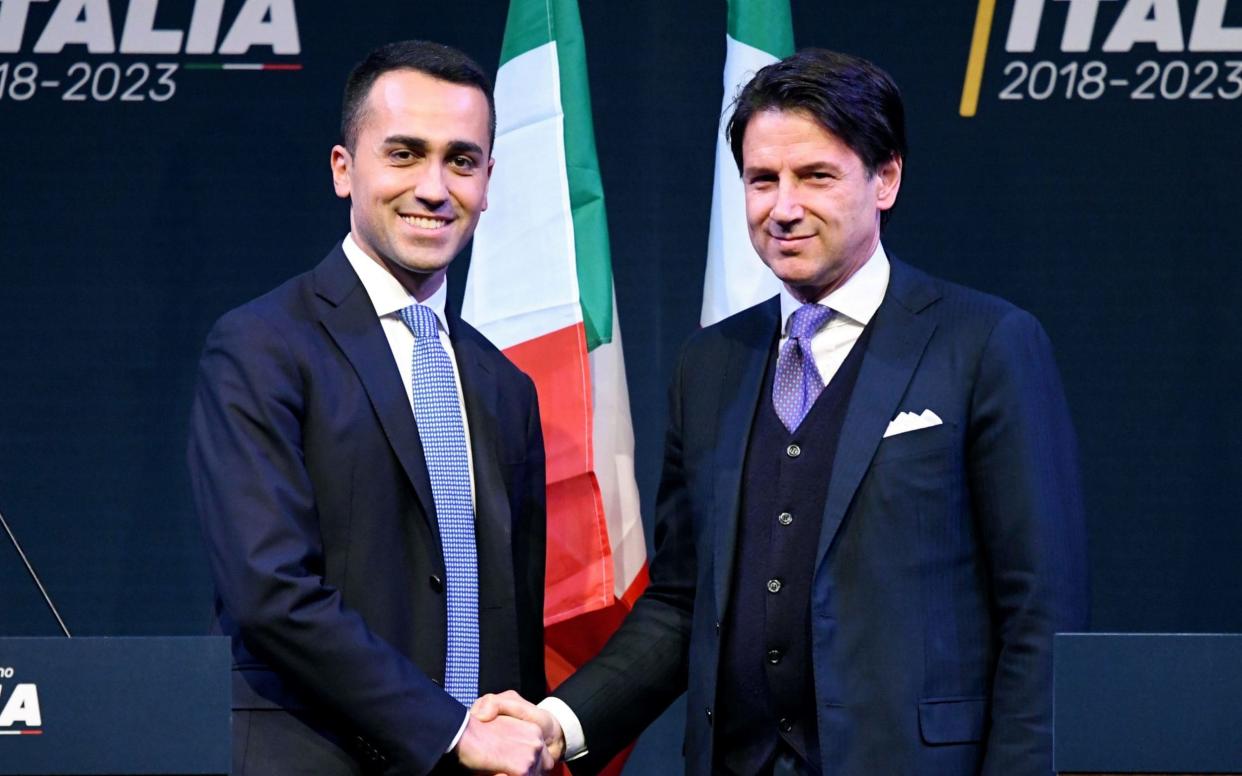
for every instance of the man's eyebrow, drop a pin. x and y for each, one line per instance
(464, 147)
(419, 144)
(821, 165)
(413, 143)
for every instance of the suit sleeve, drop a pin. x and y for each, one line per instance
(256, 503)
(642, 668)
(1022, 466)
(529, 545)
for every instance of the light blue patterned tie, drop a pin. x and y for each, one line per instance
(798, 382)
(438, 415)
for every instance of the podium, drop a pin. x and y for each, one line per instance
(1128, 703)
(155, 705)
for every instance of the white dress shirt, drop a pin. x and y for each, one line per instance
(854, 304)
(389, 298)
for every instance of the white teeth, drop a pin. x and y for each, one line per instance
(423, 222)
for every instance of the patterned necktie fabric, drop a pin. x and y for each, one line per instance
(798, 382)
(437, 413)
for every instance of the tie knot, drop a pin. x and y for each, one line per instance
(807, 320)
(422, 320)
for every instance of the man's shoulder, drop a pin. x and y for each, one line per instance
(290, 304)
(947, 302)
(754, 326)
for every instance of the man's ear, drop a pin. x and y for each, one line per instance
(342, 163)
(889, 175)
(491, 163)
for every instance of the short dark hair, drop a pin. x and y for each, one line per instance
(846, 95)
(434, 59)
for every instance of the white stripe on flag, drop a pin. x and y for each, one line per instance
(528, 218)
(614, 459)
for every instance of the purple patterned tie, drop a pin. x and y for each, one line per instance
(798, 382)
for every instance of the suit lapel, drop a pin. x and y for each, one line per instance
(481, 394)
(351, 321)
(480, 388)
(741, 385)
(898, 340)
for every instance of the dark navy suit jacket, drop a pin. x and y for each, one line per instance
(947, 556)
(309, 480)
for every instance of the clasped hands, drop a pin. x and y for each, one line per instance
(507, 734)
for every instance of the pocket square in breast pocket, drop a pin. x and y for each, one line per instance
(908, 421)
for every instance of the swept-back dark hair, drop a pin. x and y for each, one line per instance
(434, 59)
(846, 95)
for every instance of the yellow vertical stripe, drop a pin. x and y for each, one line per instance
(978, 55)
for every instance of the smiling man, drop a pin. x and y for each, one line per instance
(369, 470)
(869, 525)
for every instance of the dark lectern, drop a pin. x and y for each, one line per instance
(1148, 703)
(114, 705)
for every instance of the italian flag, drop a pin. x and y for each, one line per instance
(760, 33)
(540, 288)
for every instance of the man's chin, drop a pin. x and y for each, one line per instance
(422, 266)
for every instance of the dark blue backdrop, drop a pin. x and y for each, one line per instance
(129, 226)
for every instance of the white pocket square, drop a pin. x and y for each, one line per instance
(908, 421)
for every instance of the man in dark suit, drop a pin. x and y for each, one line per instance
(869, 525)
(369, 470)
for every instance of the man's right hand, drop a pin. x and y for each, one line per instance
(504, 745)
(511, 704)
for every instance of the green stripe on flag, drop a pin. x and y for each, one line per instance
(586, 191)
(763, 24)
(528, 27)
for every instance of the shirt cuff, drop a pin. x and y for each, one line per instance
(571, 728)
(461, 730)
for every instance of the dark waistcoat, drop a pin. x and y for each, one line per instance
(766, 693)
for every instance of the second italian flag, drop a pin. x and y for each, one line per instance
(540, 288)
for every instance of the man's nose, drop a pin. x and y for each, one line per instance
(430, 187)
(788, 205)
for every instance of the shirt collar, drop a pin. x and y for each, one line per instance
(858, 298)
(387, 294)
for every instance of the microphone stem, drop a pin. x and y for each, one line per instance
(33, 575)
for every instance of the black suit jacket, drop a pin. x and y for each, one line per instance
(947, 556)
(309, 480)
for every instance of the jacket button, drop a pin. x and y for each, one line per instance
(785, 725)
(793, 451)
(774, 585)
(774, 656)
(436, 583)
(717, 626)
(709, 715)
(784, 518)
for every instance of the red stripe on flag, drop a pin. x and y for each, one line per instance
(557, 362)
(578, 577)
(579, 559)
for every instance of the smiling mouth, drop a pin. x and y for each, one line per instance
(425, 222)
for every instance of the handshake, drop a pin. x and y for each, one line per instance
(507, 734)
